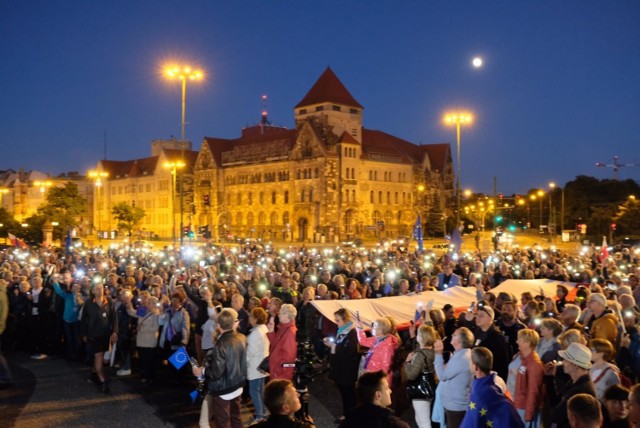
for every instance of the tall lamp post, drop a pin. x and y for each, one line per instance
(458, 119)
(174, 167)
(552, 221)
(183, 73)
(97, 177)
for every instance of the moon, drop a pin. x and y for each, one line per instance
(477, 62)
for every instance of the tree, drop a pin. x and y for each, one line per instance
(9, 224)
(64, 205)
(128, 217)
(626, 219)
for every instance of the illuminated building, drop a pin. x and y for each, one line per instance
(329, 179)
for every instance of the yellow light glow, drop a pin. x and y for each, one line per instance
(461, 118)
(552, 185)
(540, 193)
(173, 72)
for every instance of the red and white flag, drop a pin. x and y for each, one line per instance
(17, 242)
(604, 252)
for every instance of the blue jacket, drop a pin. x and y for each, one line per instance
(453, 281)
(71, 306)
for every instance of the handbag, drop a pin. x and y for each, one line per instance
(423, 387)
(264, 365)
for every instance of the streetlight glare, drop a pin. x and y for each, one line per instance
(182, 73)
(477, 62)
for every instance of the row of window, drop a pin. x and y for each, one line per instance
(406, 197)
(334, 107)
(350, 152)
(388, 176)
(140, 188)
(267, 177)
(262, 218)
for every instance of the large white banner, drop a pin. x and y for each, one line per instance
(402, 308)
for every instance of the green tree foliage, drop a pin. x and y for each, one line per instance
(9, 225)
(627, 218)
(599, 222)
(128, 217)
(64, 205)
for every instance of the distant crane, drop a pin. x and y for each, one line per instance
(615, 165)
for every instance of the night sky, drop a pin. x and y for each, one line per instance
(558, 92)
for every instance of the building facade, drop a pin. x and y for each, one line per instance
(330, 179)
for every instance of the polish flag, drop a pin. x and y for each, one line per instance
(17, 242)
(604, 252)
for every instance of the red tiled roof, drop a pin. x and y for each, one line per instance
(250, 135)
(130, 168)
(348, 138)
(328, 88)
(438, 155)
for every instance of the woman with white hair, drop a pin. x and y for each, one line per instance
(283, 344)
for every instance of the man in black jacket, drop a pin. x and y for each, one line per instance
(375, 394)
(283, 401)
(576, 363)
(490, 337)
(226, 372)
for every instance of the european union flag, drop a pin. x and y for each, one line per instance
(417, 233)
(194, 396)
(489, 407)
(179, 358)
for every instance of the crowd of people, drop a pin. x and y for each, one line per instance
(243, 311)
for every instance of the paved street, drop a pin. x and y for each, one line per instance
(54, 393)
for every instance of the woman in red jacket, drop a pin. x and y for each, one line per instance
(528, 397)
(283, 343)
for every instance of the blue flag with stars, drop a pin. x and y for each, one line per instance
(179, 358)
(489, 407)
(417, 233)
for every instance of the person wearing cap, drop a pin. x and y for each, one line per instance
(576, 363)
(490, 337)
(603, 324)
(616, 407)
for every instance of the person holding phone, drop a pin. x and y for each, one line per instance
(344, 359)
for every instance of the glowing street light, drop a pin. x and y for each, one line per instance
(43, 185)
(174, 167)
(183, 73)
(458, 119)
(97, 177)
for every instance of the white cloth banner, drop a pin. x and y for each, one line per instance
(402, 308)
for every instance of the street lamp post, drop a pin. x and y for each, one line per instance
(97, 177)
(183, 74)
(458, 119)
(552, 186)
(174, 166)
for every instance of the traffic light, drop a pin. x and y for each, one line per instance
(613, 226)
(207, 200)
(498, 219)
(186, 230)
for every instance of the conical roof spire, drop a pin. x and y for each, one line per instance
(328, 88)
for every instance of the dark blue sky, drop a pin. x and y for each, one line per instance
(560, 89)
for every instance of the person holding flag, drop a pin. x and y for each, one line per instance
(225, 371)
(417, 234)
(488, 405)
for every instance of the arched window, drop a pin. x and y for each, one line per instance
(376, 217)
(311, 195)
(261, 198)
(262, 218)
(285, 218)
(250, 198)
(353, 196)
(388, 197)
(274, 218)
(302, 195)
(380, 197)
(286, 197)
(249, 218)
(371, 197)
(353, 173)
(273, 197)
(396, 199)
(348, 172)
(388, 218)
(317, 173)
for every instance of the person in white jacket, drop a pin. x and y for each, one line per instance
(257, 350)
